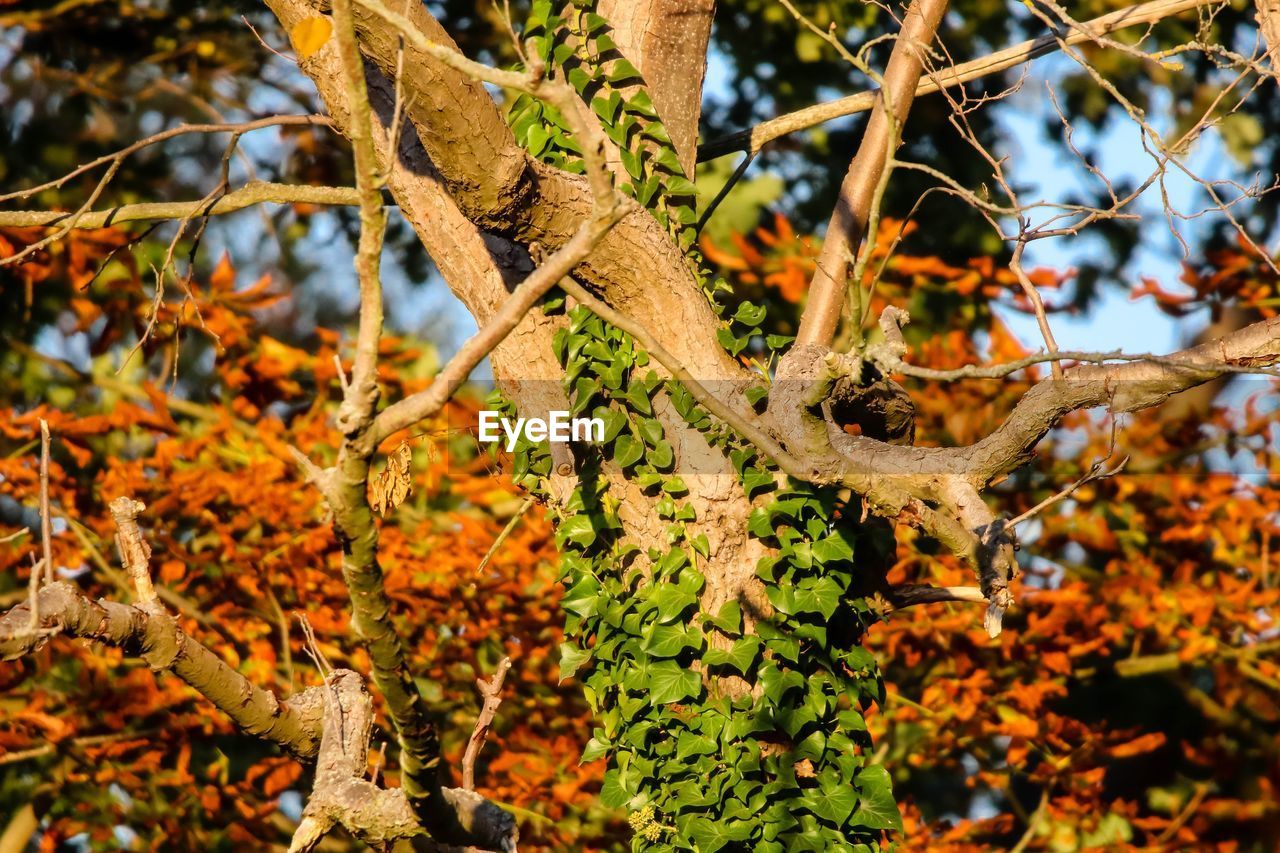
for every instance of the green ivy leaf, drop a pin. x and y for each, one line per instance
(676, 486)
(756, 393)
(576, 529)
(877, 808)
(690, 745)
(595, 748)
(740, 656)
(834, 548)
(729, 619)
(833, 801)
(650, 430)
(536, 139)
(668, 641)
(638, 397)
(612, 794)
(820, 596)
(760, 523)
(669, 682)
(749, 314)
(757, 480)
(712, 835)
(661, 456)
(581, 598)
(572, 659)
(672, 601)
(624, 70)
(614, 420)
(627, 451)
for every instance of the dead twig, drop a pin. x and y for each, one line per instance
(506, 531)
(46, 519)
(491, 692)
(1095, 472)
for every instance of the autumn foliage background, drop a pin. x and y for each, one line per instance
(1131, 703)
(1133, 696)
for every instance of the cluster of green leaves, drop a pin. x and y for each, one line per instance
(574, 40)
(776, 765)
(722, 730)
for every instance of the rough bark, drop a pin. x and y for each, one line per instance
(666, 40)
(341, 793)
(539, 205)
(1269, 22)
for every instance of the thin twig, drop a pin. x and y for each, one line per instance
(1095, 472)
(1033, 824)
(254, 192)
(135, 553)
(1193, 803)
(313, 648)
(263, 42)
(506, 531)
(46, 518)
(282, 624)
(33, 593)
(491, 692)
(1037, 304)
(165, 135)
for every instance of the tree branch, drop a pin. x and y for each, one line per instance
(149, 631)
(848, 223)
(423, 404)
(255, 192)
(341, 793)
(910, 594)
(362, 393)
(293, 724)
(533, 203)
(762, 134)
(491, 696)
(345, 486)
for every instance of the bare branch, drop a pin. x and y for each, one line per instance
(1095, 472)
(1037, 304)
(362, 392)
(341, 794)
(910, 594)
(491, 694)
(255, 192)
(135, 553)
(854, 204)
(505, 532)
(423, 404)
(293, 724)
(762, 134)
(46, 516)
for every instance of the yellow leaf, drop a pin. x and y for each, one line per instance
(310, 34)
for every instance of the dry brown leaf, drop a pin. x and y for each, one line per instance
(310, 34)
(392, 484)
